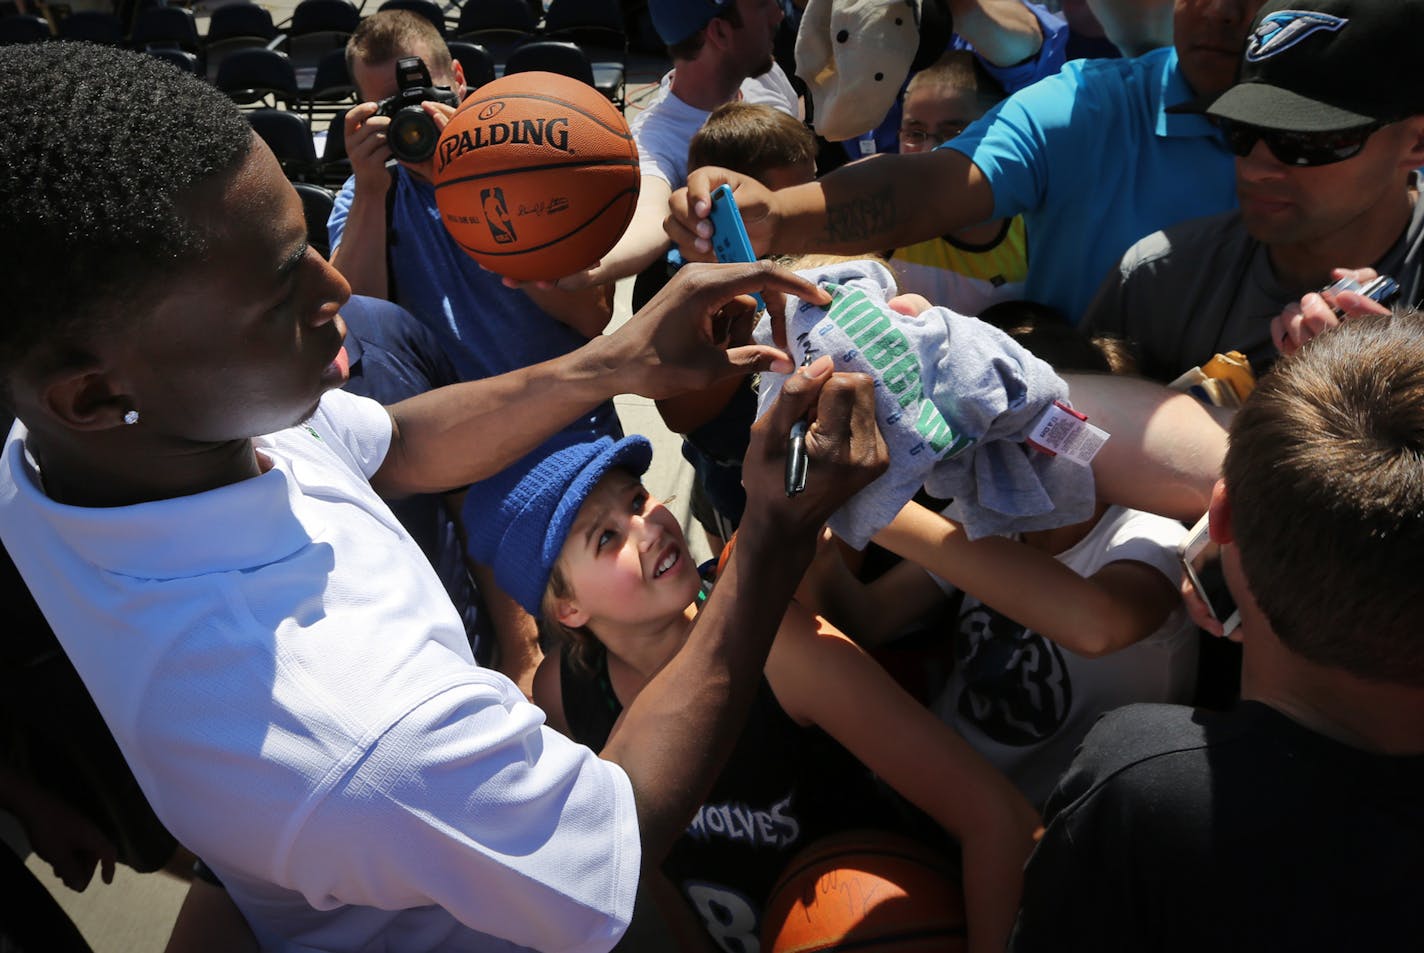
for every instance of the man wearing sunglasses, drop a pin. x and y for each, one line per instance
(1327, 141)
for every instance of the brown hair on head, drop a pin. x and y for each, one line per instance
(1048, 335)
(584, 647)
(959, 69)
(1325, 477)
(750, 138)
(387, 36)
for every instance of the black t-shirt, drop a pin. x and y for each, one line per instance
(1178, 829)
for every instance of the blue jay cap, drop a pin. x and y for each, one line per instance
(676, 20)
(519, 519)
(1321, 66)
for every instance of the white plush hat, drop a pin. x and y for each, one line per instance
(854, 54)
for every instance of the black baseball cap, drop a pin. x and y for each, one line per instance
(1328, 65)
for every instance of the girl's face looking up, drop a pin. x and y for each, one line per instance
(625, 559)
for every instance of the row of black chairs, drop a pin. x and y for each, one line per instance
(263, 77)
(321, 25)
(318, 27)
(595, 26)
(506, 26)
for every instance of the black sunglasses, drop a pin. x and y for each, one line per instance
(1298, 148)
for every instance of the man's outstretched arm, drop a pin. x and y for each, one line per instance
(882, 202)
(1004, 32)
(456, 435)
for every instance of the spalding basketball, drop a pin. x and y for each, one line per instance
(865, 890)
(536, 176)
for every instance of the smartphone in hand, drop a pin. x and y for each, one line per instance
(1201, 560)
(1383, 289)
(729, 236)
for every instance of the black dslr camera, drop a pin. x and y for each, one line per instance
(412, 134)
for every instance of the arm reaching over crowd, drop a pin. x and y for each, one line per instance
(1166, 448)
(862, 207)
(675, 343)
(1004, 32)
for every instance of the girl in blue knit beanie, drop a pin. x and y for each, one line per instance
(578, 540)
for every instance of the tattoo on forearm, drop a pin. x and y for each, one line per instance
(861, 219)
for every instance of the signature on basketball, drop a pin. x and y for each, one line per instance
(859, 895)
(545, 206)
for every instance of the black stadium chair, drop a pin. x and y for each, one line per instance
(317, 204)
(587, 22)
(24, 28)
(317, 27)
(237, 26)
(188, 62)
(93, 26)
(318, 16)
(597, 27)
(257, 76)
(245, 21)
(475, 61)
(290, 139)
(332, 89)
(166, 27)
(426, 8)
(551, 56)
(498, 25)
(335, 165)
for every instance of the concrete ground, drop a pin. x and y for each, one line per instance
(135, 913)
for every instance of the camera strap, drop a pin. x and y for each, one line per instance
(391, 238)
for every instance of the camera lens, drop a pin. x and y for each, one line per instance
(412, 135)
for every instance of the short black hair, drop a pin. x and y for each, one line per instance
(98, 149)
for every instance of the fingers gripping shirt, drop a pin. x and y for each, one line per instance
(955, 399)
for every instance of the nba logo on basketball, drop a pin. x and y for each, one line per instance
(497, 215)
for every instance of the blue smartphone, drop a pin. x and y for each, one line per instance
(729, 236)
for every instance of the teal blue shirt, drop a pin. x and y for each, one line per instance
(1093, 161)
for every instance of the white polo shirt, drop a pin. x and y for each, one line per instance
(295, 695)
(665, 128)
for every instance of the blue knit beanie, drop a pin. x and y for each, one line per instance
(518, 521)
(676, 20)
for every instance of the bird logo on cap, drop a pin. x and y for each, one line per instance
(1280, 31)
